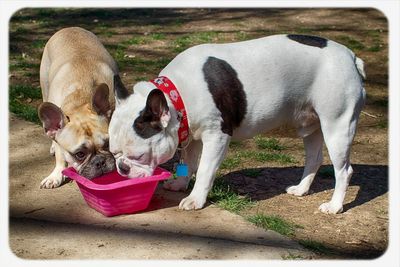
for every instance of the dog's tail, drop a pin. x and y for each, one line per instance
(360, 67)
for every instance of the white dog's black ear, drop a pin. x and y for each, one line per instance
(157, 104)
(100, 102)
(154, 117)
(120, 91)
(52, 117)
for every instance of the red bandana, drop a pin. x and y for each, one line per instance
(166, 85)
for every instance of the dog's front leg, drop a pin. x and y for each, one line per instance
(214, 149)
(191, 158)
(55, 178)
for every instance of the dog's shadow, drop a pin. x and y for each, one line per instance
(265, 183)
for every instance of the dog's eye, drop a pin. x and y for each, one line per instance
(80, 155)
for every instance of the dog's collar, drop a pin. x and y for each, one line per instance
(167, 87)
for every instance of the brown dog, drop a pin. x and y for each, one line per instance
(76, 77)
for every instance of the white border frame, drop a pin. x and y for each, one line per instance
(388, 7)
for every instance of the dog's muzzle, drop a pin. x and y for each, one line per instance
(133, 171)
(98, 165)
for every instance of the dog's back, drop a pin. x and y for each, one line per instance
(74, 59)
(280, 79)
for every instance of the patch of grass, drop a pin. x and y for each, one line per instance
(235, 144)
(315, 246)
(17, 94)
(143, 65)
(39, 43)
(183, 42)
(382, 103)
(234, 203)
(268, 143)
(231, 163)
(351, 43)
(274, 223)
(21, 30)
(178, 22)
(206, 37)
(24, 91)
(107, 33)
(251, 172)
(46, 12)
(222, 195)
(262, 156)
(241, 36)
(375, 48)
(158, 36)
(138, 63)
(327, 172)
(31, 74)
(376, 39)
(373, 33)
(118, 53)
(137, 40)
(382, 124)
(23, 65)
(303, 30)
(140, 78)
(236, 160)
(161, 63)
(291, 256)
(105, 29)
(24, 111)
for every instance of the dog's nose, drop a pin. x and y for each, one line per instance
(123, 168)
(99, 162)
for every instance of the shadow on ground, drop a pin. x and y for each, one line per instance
(372, 180)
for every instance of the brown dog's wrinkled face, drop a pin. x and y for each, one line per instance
(82, 134)
(84, 140)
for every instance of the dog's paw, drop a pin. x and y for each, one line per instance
(52, 181)
(331, 208)
(296, 190)
(179, 184)
(192, 203)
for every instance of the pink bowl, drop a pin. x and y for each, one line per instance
(113, 194)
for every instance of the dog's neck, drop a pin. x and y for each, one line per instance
(80, 99)
(76, 101)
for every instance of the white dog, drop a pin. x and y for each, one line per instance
(238, 90)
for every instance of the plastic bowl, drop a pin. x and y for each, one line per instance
(112, 194)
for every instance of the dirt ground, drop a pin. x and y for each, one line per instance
(361, 231)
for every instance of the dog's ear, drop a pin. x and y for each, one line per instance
(154, 117)
(52, 117)
(120, 91)
(156, 105)
(100, 102)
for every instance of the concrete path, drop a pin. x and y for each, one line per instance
(57, 223)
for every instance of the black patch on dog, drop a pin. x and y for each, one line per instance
(227, 92)
(309, 40)
(148, 123)
(119, 88)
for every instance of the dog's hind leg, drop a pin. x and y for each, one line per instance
(313, 147)
(338, 98)
(339, 132)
